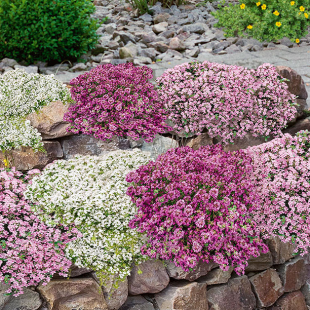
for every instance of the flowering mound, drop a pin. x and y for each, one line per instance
(30, 251)
(229, 101)
(283, 176)
(196, 205)
(90, 192)
(116, 100)
(21, 94)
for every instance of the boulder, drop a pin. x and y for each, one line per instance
(200, 270)
(267, 287)
(4, 298)
(303, 124)
(88, 145)
(291, 301)
(235, 295)
(306, 292)
(25, 158)
(262, 262)
(114, 297)
(29, 300)
(77, 293)
(216, 276)
(293, 274)
(181, 295)
(201, 140)
(280, 251)
(136, 303)
(296, 84)
(153, 279)
(49, 120)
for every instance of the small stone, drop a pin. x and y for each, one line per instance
(217, 47)
(291, 301)
(267, 287)
(110, 28)
(182, 295)
(303, 124)
(196, 28)
(148, 52)
(113, 45)
(176, 44)
(153, 279)
(142, 60)
(287, 42)
(160, 46)
(148, 37)
(29, 69)
(147, 18)
(199, 141)
(235, 295)
(201, 269)
(293, 274)
(161, 27)
(161, 18)
(232, 49)
(125, 52)
(78, 67)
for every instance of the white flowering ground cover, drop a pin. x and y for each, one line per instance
(90, 191)
(21, 94)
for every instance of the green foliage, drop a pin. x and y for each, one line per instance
(271, 20)
(46, 30)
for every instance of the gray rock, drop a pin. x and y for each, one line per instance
(220, 46)
(161, 18)
(128, 51)
(78, 67)
(159, 46)
(125, 36)
(8, 62)
(148, 37)
(29, 300)
(147, 18)
(232, 49)
(196, 28)
(142, 60)
(177, 44)
(256, 48)
(216, 276)
(4, 298)
(148, 52)
(110, 28)
(157, 9)
(219, 34)
(159, 145)
(287, 42)
(29, 69)
(161, 27)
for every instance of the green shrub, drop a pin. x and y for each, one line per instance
(268, 20)
(46, 30)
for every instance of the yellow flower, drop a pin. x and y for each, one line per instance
(242, 6)
(292, 2)
(257, 3)
(264, 7)
(278, 24)
(306, 15)
(302, 8)
(276, 13)
(6, 163)
(250, 27)
(297, 40)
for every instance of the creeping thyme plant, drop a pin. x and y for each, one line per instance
(265, 20)
(229, 101)
(90, 191)
(116, 101)
(30, 251)
(21, 94)
(282, 178)
(197, 205)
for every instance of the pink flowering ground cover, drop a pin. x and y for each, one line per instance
(282, 176)
(197, 205)
(116, 101)
(30, 252)
(229, 101)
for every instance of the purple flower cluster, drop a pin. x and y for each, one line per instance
(116, 101)
(197, 205)
(229, 101)
(30, 252)
(282, 176)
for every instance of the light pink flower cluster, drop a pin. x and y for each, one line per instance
(282, 175)
(30, 252)
(229, 101)
(116, 101)
(197, 205)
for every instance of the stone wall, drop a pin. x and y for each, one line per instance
(277, 280)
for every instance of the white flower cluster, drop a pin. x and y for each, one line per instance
(21, 94)
(90, 191)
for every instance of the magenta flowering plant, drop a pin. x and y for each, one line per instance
(228, 101)
(197, 205)
(116, 101)
(282, 174)
(30, 252)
